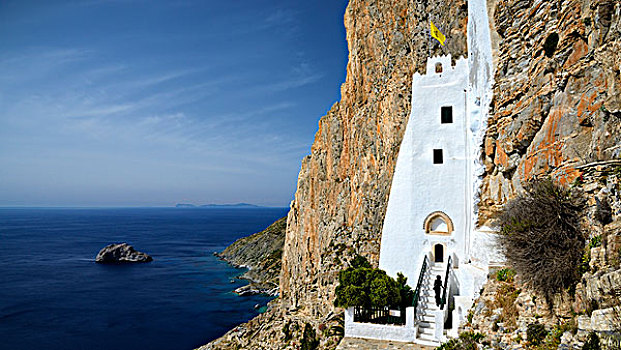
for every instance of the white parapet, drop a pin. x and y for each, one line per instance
(403, 333)
(440, 316)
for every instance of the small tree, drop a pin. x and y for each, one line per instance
(406, 292)
(541, 237)
(360, 261)
(361, 285)
(383, 289)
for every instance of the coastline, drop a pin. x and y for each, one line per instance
(259, 253)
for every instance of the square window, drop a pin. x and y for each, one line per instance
(438, 67)
(446, 115)
(437, 156)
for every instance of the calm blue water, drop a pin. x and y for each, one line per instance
(53, 296)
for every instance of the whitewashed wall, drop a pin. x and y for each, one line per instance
(420, 187)
(404, 333)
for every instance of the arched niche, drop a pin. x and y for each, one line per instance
(438, 223)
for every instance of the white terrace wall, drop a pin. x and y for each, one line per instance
(421, 187)
(404, 333)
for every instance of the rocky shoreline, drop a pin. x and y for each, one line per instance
(261, 254)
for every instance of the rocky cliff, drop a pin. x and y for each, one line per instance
(557, 93)
(556, 111)
(506, 310)
(261, 254)
(344, 184)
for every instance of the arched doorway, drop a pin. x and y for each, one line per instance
(438, 253)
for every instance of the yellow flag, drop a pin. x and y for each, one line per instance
(437, 34)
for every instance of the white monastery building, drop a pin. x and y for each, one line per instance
(429, 229)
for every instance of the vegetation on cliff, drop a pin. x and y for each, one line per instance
(364, 286)
(541, 236)
(465, 341)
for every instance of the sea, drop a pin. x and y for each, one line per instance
(54, 296)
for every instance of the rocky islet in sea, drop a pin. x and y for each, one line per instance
(121, 253)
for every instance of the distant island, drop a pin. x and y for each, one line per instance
(237, 205)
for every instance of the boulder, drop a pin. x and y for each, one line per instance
(121, 253)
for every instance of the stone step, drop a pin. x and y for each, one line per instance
(428, 318)
(430, 308)
(424, 324)
(427, 332)
(427, 341)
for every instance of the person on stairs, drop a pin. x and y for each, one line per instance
(437, 287)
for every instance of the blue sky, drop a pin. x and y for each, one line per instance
(152, 103)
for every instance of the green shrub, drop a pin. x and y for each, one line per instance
(553, 338)
(405, 291)
(585, 261)
(466, 341)
(452, 344)
(361, 285)
(360, 261)
(309, 338)
(595, 242)
(470, 316)
(505, 275)
(541, 236)
(383, 290)
(592, 342)
(535, 333)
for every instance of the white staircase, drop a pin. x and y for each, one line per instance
(426, 316)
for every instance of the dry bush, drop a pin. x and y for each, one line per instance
(541, 237)
(505, 298)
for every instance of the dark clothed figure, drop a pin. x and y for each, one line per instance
(437, 287)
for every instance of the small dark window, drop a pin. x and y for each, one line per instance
(437, 156)
(447, 115)
(438, 67)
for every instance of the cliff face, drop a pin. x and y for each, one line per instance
(344, 184)
(557, 96)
